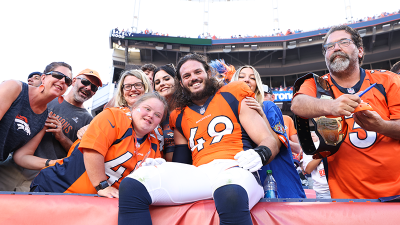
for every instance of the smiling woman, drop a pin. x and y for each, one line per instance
(164, 83)
(116, 138)
(23, 110)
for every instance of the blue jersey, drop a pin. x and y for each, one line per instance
(283, 170)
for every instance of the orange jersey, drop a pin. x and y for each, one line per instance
(210, 129)
(366, 164)
(289, 125)
(112, 135)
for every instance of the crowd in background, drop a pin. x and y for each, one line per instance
(128, 32)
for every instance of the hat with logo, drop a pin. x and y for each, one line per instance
(267, 89)
(34, 73)
(90, 72)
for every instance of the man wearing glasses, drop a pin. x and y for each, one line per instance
(365, 166)
(63, 122)
(34, 79)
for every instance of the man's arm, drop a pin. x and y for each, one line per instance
(311, 107)
(258, 130)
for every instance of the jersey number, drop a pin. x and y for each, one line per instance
(216, 135)
(115, 175)
(367, 142)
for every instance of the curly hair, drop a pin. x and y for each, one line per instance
(355, 37)
(149, 67)
(396, 68)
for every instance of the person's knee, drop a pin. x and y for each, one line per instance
(232, 205)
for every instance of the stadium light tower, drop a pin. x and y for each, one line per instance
(349, 15)
(275, 19)
(136, 10)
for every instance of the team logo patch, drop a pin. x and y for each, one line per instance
(279, 128)
(75, 119)
(22, 124)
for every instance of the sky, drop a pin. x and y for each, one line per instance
(36, 33)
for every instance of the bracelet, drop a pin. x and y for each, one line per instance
(264, 152)
(47, 162)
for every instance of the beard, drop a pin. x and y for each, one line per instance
(342, 63)
(208, 90)
(81, 99)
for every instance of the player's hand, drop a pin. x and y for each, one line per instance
(249, 160)
(253, 104)
(153, 162)
(82, 131)
(344, 105)
(54, 125)
(109, 192)
(369, 120)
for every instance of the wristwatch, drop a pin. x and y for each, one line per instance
(102, 185)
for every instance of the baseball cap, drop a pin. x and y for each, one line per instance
(34, 73)
(90, 72)
(267, 89)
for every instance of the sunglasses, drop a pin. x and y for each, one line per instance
(86, 82)
(59, 75)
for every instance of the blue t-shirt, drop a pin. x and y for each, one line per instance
(283, 170)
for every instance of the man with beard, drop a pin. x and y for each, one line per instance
(63, 122)
(225, 140)
(365, 166)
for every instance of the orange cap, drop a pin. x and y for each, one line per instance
(90, 72)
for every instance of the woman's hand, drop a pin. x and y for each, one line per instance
(253, 104)
(82, 131)
(109, 192)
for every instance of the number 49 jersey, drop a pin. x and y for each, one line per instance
(213, 130)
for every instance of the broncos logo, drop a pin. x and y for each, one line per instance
(22, 124)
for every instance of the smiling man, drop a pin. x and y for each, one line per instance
(365, 166)
(225, 141)
(63, 122)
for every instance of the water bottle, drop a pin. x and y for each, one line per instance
(270, 187)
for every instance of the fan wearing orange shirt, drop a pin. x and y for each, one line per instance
(226, 140)
(365, 166)
(116, 141)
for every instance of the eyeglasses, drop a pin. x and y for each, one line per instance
(342, 43)
(87, 82)
(59, 75)
(128, 87)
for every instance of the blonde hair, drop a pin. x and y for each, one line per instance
(259, 92)
(119, 96)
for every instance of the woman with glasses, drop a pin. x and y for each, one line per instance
(23, 109)
(164, 83)
(284, 172)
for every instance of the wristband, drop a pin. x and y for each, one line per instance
(264, 152)
(47, 162)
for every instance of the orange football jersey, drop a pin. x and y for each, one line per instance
(211, 128)
(366, 165)
(112, 135)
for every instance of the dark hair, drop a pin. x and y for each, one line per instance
(54, 65)
(396, 67)
(182, 98)
(355, 37)
(150, 95)
(34, 73)
(169, 68)
(192, 56)
(150, 67)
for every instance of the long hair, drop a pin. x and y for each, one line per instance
(259, 92)
(119, 96)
